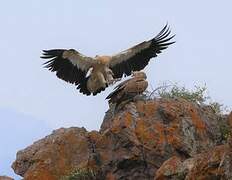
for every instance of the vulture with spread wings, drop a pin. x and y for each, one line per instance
(93, 75)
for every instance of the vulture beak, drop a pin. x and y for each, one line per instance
(134, 73)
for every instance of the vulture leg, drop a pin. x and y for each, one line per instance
(108, 75)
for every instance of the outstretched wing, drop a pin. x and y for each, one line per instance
(137, 57)
(69, 65)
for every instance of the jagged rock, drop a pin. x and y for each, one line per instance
(216, 164)
(140, 141)
(53, 156)
(5, 178)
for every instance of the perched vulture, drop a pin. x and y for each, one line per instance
(128, 89)
(93, 75)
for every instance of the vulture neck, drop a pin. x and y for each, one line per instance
(103, 59)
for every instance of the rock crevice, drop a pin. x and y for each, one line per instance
(146, 139)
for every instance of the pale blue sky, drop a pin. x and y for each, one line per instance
(202, 54)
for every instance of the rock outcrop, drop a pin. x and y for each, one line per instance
(5, 178)
(146, 139)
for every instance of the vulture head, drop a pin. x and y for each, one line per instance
(139, 74)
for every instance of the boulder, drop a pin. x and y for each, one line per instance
(145, 139)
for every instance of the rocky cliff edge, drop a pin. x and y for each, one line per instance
(147, 139)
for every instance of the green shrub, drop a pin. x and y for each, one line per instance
(225, 132)
(197, 95)
(80, 174)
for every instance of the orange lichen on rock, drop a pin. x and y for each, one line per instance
(142, 131)
(168, 168)
(196, 120)
(160, 133)
(127, 120)
(146, 139)
(211, 164)
(148, 108)
(110, 176)
(173, 137)
(55, 155)
(203, 166)
(170, 110)
(41, 173)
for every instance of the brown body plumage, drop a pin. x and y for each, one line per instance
(128, 89)
(101, 75)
